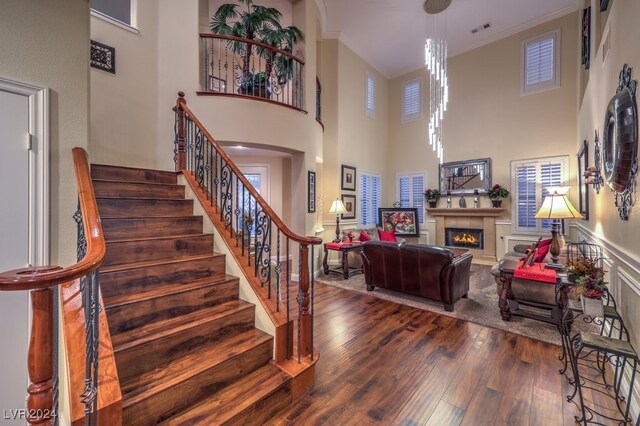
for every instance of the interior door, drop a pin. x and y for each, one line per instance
(14, 251)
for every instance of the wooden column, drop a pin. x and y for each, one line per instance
(304, 302)
(181, 163)
(40, 359)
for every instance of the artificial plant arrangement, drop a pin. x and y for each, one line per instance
(590, 285)
(250, 21)
(497, 192)
(432, 196)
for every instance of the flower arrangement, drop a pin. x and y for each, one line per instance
(432, 195)
(589, 278)
(497, 192)
(350, 235)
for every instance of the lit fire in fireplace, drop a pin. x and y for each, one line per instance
(465, 238)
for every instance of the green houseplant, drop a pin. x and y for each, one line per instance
(261, 24)
(496, 193)
(590, 285)
(432, 196)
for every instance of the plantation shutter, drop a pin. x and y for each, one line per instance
(404, 189)
(370, 196)
(365, 194)
(371, 95)
(411, 193)
(375, 199)
(551, 175)
(540, 58)
(526, 196)
(411, 100)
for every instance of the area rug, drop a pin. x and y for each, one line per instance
(481, 307)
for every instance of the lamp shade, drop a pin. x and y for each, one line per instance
(337, 207)
(556, 205)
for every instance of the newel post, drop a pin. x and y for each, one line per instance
(180, 155)
(304, 303)
(40, 359)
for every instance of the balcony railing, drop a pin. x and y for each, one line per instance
(236, 66)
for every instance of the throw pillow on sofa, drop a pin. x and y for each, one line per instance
(387, 235)
(543, 249)
(364, 236)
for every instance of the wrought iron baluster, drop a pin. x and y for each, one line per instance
(245, 230)
(256, 243)
(288, 282)
(216, 182)
(237, 211)
(299, 299)
(312, 278)
(278, 269)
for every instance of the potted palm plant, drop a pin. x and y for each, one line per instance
(261, 24)
(496, 194)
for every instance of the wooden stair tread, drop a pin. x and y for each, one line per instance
(163, 237)
(163, 328)
(175, 185)
(232, 400)
(142, 199)
(132, 174)
(179, 370)
(127, 299)
(151, 263)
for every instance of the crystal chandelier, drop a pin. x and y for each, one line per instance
(435, 50)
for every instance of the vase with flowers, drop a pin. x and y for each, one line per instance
(590, 285)
(496, 194)
(432, 196)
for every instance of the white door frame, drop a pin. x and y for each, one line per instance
(37, 142)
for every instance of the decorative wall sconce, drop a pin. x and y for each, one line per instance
(593, 174)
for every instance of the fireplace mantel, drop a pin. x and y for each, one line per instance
(469, 212)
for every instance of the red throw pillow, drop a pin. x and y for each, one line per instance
(364, 236)
(543, 249)
(387, 235)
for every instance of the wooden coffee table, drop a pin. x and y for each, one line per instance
(344, 269)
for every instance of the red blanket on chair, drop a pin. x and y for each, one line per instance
(535, 272)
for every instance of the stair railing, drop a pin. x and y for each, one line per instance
(260, 237)
(43, 282)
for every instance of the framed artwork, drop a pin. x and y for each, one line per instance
(348, 178)
(311, 192)
(583, 187)
(403, 220)
(103, 57)
(586, 37)
(349, 202)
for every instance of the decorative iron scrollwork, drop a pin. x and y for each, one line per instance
(263, 247)
(597, 158)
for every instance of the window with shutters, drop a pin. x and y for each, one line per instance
(410, 192)
(529, 180)
(371, 96)
(541, 63)
(370, 197)
(411, 100)
(119, 10)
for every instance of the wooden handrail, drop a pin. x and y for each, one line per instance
(255, 43)
(44, 277)
(181, 107)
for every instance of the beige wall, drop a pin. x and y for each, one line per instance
(621, 238)
(123, 105)
(46, 44)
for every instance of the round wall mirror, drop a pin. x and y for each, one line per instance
(620, 143)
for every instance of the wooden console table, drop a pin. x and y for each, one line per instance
(344, 269)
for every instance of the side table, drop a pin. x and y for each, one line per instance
(344, 249)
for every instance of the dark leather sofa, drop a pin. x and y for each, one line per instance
(417, 269)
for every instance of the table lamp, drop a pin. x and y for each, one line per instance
(556, 206)
(337, 207)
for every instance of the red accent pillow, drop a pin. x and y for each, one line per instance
(543, 249)
(364, 236)
(387, 235)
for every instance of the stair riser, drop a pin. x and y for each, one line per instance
(264, 409)
(132, 315)
(143, 358)
(146, 250)
(132, 175)
(137, 190)
(164, 404)
(116, 207)
(151, 227)
(133, 281)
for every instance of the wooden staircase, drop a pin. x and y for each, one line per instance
(186, 348)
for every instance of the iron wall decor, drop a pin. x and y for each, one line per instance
(597, 160)
(586, 37)
(311, 192)
(348, 178)
(620, 143)
(403, 220)
(583, 187)
(349, 201)
(465, 177)
(103, 57)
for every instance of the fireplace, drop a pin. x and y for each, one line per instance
(464, 237)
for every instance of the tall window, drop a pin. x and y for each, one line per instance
(120, 10)
(371, 95)
(370, 196)
(540, 63)
(410, 192)
(411, 100)
(530, 178)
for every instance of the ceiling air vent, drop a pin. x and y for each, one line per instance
(480, 28)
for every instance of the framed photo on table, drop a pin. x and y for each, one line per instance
(348, 178)
(349, 201)
(403, 220)
(311, 192)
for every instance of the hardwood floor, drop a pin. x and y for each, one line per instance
(384, 363)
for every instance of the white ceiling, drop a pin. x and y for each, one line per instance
(390, 34)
